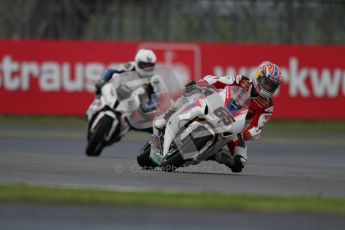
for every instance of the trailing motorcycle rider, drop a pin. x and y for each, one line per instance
(144, 65)
(265, 82)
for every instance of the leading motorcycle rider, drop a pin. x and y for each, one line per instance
(144, 64)
(265, 82)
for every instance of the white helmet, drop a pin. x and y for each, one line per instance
(145, 60)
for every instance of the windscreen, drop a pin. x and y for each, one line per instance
(161, 87)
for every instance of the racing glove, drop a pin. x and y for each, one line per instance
(252, 133)
(207, 81)
(105, 78)
(98, 86)
(220, 82)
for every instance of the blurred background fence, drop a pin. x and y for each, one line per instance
(259, 21)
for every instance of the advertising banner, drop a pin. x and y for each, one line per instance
(58, 77)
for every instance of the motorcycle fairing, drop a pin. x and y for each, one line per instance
(156, 149)
(175, 122)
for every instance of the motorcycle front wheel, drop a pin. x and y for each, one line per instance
(144, 159)
(173, 161)
(96, 141)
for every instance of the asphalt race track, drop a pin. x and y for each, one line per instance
(55, 156)
(71, 217)
(282, 163)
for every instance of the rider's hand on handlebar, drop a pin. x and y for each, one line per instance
(98, 86)
(242, 82)
(202, 83)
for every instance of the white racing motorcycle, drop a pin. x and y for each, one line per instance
(117, 110)
(198, 129)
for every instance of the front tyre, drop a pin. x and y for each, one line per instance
(96, 140)
(144, 159)
(172, 162)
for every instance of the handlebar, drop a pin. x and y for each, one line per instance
(193, 88)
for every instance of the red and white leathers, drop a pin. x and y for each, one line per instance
(260, 111)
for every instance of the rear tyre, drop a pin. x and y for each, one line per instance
(144, 159)
(172, 162)
(96, 141)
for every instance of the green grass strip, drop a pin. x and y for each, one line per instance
(159, 199)
(306, 125)
(81, 121)
(42, 120)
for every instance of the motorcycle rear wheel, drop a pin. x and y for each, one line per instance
(96, 142)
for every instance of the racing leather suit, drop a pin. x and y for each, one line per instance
(260, 111)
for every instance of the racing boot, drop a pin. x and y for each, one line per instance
(240, 158)
(239, 163)
(223, 156)
(235, 163)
